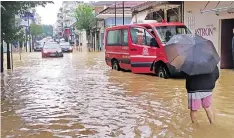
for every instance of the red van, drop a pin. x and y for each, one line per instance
(140, 47)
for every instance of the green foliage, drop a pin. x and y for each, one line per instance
(9, 30)
(47, 30)
(85, 19)
(36, 29)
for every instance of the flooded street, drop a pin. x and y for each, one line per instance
(79, 96)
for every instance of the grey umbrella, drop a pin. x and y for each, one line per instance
(192, 54)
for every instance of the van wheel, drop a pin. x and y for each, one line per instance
(162, 72)
(115, 65)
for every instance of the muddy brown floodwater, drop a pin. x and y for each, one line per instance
(79, 96)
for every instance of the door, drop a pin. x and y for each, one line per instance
(125, 60)
(226, 43)
(142, 53)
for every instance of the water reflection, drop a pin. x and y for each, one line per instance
(79, 96)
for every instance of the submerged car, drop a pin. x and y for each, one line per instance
(66, 47)
(51, 50)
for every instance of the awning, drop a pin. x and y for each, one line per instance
(139, 17)
(229, 7)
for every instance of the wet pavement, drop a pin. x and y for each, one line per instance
(79, 96)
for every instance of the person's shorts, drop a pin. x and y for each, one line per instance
(198, 99)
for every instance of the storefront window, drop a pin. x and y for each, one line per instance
(165, 33)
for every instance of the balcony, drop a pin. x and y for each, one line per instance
(67, 10)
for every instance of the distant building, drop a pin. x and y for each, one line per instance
(65, 19)
(106, 18)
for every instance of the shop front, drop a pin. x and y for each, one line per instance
(214, 21)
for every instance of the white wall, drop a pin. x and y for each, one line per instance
(207, 25)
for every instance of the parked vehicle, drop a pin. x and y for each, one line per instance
(66, 47)
(140, 47)
(51, 49)
(38, 46)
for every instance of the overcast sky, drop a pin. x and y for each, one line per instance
(49, 12)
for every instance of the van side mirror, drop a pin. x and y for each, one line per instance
(153, 42)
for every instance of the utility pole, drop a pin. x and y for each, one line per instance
(30, 48)
(2, 68)
(11, 58)
(123, 12)
(115, 13)
(8, 56)
(26, 41)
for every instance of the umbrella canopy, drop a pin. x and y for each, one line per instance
(192, 54)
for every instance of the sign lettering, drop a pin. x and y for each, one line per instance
(204, 31)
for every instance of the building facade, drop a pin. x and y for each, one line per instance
(109, 17)
(65, 19)
(170, 11)
(214, 21)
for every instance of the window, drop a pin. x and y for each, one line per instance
(140, 36)
(137, 35)
(114, 38)
(165, 33)
(125, 37)
(148, 38)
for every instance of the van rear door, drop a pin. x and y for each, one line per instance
(142, 54)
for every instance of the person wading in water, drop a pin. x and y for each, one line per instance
(199, 89)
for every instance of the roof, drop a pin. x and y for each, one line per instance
(119, 5)
(127, 4)
(150, 4)
(102, 3)
(147, 4)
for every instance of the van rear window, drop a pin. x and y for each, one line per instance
(114, 38)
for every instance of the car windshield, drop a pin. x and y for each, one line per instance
(51, 46)
(165, 33)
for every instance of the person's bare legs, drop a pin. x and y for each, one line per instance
(210, 114)
(193, 115)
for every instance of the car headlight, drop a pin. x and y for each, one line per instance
(70, 48)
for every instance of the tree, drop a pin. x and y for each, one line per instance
(9, 29)
(35, 31)
(85, 19)
(47, 30)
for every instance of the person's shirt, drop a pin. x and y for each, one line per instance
(202, 83)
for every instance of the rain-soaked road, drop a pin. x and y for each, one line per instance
(79, 96)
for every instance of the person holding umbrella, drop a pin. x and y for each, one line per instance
(196, 58)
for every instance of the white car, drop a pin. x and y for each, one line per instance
(66, 47)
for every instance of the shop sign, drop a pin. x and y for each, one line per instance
(206, 31)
